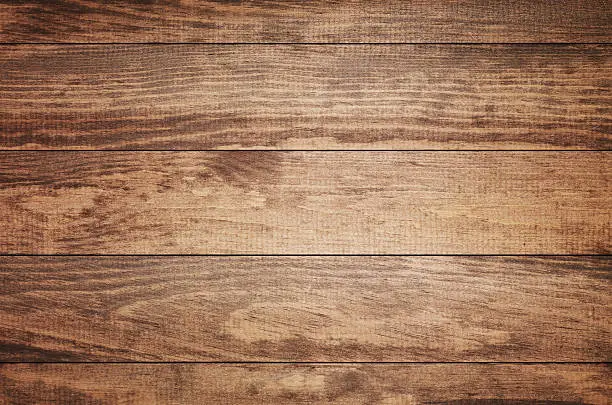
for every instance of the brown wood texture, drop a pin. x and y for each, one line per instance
(305, 202)
(305, 308)
(306, 21)
(383, 384)
(305, 97)
(430, 224)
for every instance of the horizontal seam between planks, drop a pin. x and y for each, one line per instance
(317, 362)
(309, 150)
(304, 255)
(312, 43)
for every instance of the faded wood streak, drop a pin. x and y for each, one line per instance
(454, 384)
(305, 202)
(305, 308)
(305, 97)
(305, 21)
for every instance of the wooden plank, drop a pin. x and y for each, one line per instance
(452, 384)
(305, 97)
(305, 308)
(300, 21)
(305, 202)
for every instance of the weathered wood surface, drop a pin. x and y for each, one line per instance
(305, 308)
(305, 97)
(451, 384)
(306, 21)
(294, 75)
(305, 202)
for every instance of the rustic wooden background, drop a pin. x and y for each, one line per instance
(377, 202)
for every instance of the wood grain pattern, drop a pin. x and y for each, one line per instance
(305, 308)
(450, 384)
(305, 202)
(185, 78)
(305, 97)
(300, 21)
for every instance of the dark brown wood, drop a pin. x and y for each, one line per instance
(305, 308)
(451, 384)
(305, 202)
(305, 21)
(305, 97)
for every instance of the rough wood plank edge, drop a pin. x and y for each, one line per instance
(313, 21)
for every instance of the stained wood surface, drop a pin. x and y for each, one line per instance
(305, 97)
(305, 202)
(305, 308)
(451, 384)
(166, 322)
(299, 21)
